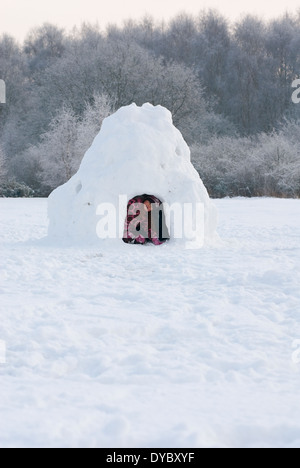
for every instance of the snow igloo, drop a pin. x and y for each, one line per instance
(137, 151)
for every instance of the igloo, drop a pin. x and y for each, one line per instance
(137, 151)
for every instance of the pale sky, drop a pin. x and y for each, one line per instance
(18, 16)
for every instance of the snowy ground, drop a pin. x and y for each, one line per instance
(151, 347)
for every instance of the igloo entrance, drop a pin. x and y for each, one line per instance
(145, 221)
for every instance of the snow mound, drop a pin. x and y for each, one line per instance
(137, 151)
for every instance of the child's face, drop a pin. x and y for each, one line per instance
(147, 205)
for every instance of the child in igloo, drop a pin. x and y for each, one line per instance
(145, 221)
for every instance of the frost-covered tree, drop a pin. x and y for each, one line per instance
(179, 41)
(213, 47)
(57, 152)
(225, 167)
(89, 126)
(283, 44)
(268, 165)
(43, 45)
(126, 73)
(247, 76)
(13, 70)
(280, 153)
(62, 148)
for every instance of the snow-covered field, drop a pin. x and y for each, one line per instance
(152, 346)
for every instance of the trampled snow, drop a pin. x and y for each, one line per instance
(137, 151)
(152, 347)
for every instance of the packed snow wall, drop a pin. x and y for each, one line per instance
(137, 151)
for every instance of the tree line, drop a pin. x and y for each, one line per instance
(228, 86)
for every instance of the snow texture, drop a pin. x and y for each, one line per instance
(138, 150)
(152, 347)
